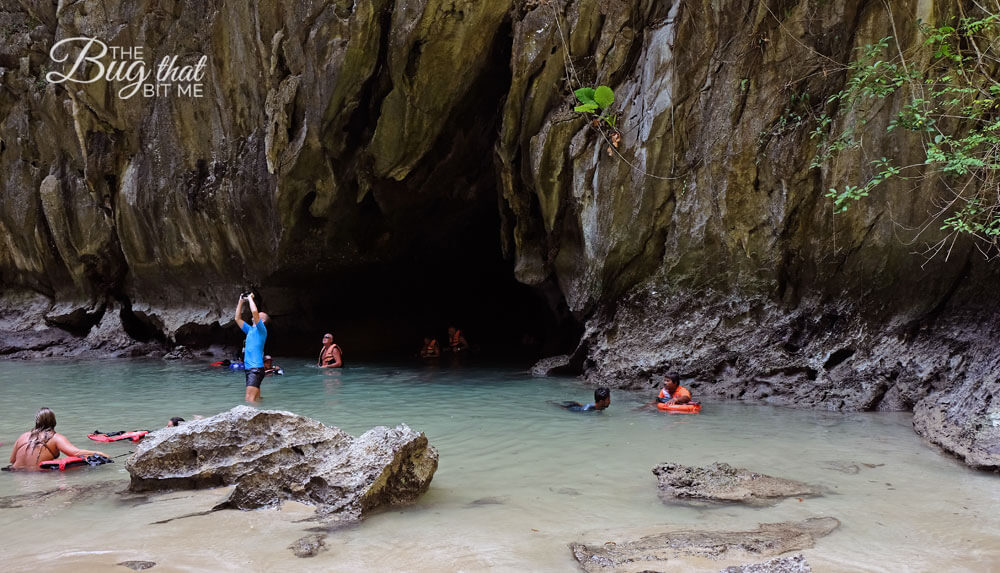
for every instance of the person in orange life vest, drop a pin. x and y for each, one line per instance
(330, 356)
(456, 341)
(430, 348)
(673, 392)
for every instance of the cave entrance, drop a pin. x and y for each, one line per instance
(384, 311)
(436, 239)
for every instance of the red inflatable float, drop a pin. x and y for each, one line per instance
(689, 408)
(62, 464)
(99, 436)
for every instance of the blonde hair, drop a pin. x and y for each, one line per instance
(45, 426)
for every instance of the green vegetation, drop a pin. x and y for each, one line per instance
(947, 93)
(596, 102)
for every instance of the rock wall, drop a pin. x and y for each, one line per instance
(335, 135)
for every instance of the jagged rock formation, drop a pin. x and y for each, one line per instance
(768, 540)
(273, 456)
(721, 482)
(338, 144)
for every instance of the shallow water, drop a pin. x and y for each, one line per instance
(519, 479)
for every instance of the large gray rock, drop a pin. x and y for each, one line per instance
(768, 540)
(272, 456)
(724, 483)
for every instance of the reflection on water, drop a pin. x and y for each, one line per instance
(519, 479)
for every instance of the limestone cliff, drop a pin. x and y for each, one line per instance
(339, 142)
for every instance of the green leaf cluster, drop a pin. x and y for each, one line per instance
(596, 101)
(952, 103)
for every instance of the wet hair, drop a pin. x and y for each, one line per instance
(176, 420)
(601, 393)
(672, 376)
(268, 357)
(45, 426)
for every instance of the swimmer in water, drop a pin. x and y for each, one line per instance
(43, 444)
(602, 399)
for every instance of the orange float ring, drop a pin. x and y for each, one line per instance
(690, 408)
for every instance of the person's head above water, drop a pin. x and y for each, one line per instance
(671, 380)
(175, 421)
(45, 419)
(602, 398)
(328, 338)
(268, 360)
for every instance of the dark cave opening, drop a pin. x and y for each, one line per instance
(383, 311)
(434, 256)
(395, 260)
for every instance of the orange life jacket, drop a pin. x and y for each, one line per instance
(456, 338)
(681, 391)
(327, 354)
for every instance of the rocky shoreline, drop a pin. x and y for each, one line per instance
(942, 367)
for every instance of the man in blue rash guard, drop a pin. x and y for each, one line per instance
(253, 349)
(602, 399)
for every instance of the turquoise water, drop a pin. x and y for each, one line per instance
(519, 479)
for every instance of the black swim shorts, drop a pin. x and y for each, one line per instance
(255, 376)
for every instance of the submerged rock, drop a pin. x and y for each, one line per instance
(793, 564)
(273, 456)
(137, 565)
(309, 546)
(768, 539)
(722, 482)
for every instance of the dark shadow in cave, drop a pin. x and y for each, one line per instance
(436, 236)
(384, 311)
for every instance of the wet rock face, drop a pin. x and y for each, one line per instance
(721, 482)
(961, 424)
(647, 553)
(553, 366)
(326, 142)
(273, 456)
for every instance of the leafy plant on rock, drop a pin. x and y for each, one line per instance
(597, 101)
(949, 96)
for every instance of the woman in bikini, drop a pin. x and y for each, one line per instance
(43, 444)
